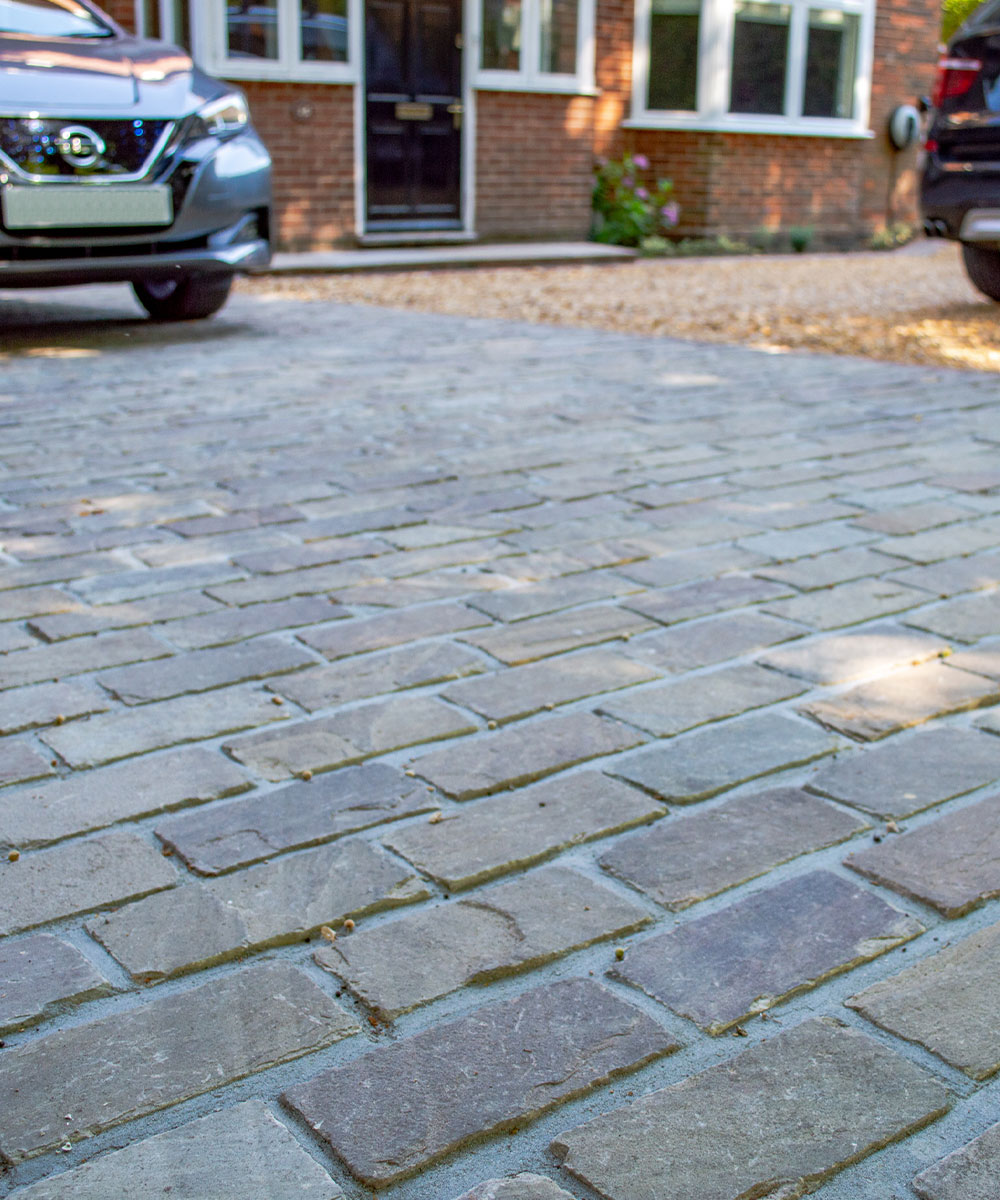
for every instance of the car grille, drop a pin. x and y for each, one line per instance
(33, 145)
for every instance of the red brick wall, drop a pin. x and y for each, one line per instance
(122, 11)
(534, 158)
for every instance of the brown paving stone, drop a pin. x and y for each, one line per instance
(908, 697)
(362, 634)
(315, 554)
(20, 762)
(946, 1003)
(40, 972)
(224, 625)
(715, 639)
(200, 1039)
(83, 654)
(520, 755)
(84, 620)
(912, 518)
(970, 1173)
(952, 864)
(19, 603)
(778, 1119)
(841, 657)
(404, 1105)
(539, 637)
(704, 598)
(44, 703)
(720, 969)
(697, 855)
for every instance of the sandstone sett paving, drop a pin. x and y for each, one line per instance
(970, 1173)
(217, 838)
(826, 570)
(40, 971)
(238, 1153)
(406, 1104)
(952, 863)
(20, 761)
(841, 657)
(134, 585)
(953, 575)
(703, 598)
(78, 877)
(539, 637)
(848, 603)
(700, 854)
(784, 1115)
(539, 599)
(946, 1003)
(218, 626)
(43, 703)
(966, 619)
(668, 570)
(504, 833)
(525, 1186)
(268, 904)
(83, 620)
(82, 655)
(713, 640)
(147, 1058)
(516, 756)
(744, 959)
(362, 634)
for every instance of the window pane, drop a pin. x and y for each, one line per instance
(760, 58)
(831, 63)
(151, 18)
(252, 30)
(558, 32)
(673, 55)
(502, 35)
(324, 30)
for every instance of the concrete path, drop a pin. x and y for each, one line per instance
(453, 759)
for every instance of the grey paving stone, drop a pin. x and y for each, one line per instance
(15, 637)
(229, 522)
(710, 760)
(101, 1073)
(116, 735)
(946, 1003)
(77, 878)
(239, 1153)
(306, 581)
(520, 691)
(954, 575)
(968, 1174)
(40, 972)
(42, 703)
(225, 625)
(786, 544)
(983, 659)
(218, 837)
(933, 545)
(292, 557)
(84, 620)
(671, 709)
(20, 762)
(518, 1187)
(848, 603)
(703, 598)
(966, 619)
(362, 634)
(715, 639)
(508, 832)
(19, 603)
(540, 637)
(535, 599)
(908, 697)
(777, 1119)
(377, 674)
(511, 927)
(672, 569)
(83, 654)
(203, 670)
(350, 736)
(133, 585)
(908, 774)
(522, 754)
(842, 657)
(61, 570)
(50, 811)
(912, 518)
(719, 969)
(694, 856)
(952, 864)
(408, 1103)
(266, 905)
(825, 570)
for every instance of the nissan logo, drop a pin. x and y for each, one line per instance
(80, 146)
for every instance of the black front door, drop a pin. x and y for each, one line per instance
(413, 62)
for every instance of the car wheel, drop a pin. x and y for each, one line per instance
(185, 298)
(983, 267)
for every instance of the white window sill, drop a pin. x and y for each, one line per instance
(558, 85)
(780, 128)
(278, 73)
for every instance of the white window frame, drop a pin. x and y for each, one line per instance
(715, 49)
(208, 33)
(529, 77)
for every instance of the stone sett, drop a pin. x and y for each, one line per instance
(518, 1187)
(83, 620)
(848, 604)
(516, 756)
(81, 655)
(170, 1049)
(720, 969)
(40, 972)
(954, 575)
(505, 833)
(42, 703)
(20, 762)
(226, 625)
(712, 640)
(687, 565)
(705, 597)
(539, 637)
(133, 585)
(826, 570)
(966, 619)
(839, 658)
(539, 599)
(946, 1003)
(970, 1173)
(697, 855)
(408, 1103)
(784, 1115)
(507, 928)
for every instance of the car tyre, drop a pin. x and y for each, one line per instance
(982, 264)
(187, 297)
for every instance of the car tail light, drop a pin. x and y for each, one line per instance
(955, 77)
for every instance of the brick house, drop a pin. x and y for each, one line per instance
(450, 119)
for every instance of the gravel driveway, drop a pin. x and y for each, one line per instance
(912, 305)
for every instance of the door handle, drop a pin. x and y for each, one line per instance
(456, 111)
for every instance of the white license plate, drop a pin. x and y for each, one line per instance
(79, 206)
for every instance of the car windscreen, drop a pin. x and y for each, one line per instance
(50, 18)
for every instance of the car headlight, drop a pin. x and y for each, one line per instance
(222, 118)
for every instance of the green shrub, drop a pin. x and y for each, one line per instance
(628, 210)
(800, 237)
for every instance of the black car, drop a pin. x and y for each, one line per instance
(960, 185)
(120, 161)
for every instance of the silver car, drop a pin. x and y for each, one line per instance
(120, 161)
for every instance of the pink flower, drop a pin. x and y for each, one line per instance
(642, 193)
(641, 161)
(670, 213)
(628, 181)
